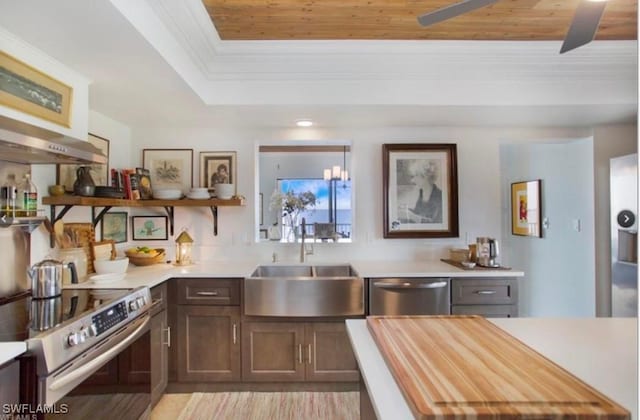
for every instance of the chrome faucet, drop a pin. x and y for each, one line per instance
(303, 251)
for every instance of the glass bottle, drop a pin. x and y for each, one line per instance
(9, 196)
(29, 197)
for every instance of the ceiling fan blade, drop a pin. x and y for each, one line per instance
(451, 11)
(584, 25)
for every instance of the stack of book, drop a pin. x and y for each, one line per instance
(136, 183)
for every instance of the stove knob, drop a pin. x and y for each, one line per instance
(133, 305)
(93, 330)
(141, 302)
(73, 339)
(84, 334)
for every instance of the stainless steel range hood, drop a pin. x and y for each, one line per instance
(24, 143)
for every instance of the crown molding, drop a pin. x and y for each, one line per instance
(380, 72)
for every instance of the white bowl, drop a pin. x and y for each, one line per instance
(117, 266)
(107, 278)
(198, 196)
(224, 191)
(164, 195)
(199, 191)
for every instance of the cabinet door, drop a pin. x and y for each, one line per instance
(329, 355)
(208, 343)
(160, 337)
(273, 351)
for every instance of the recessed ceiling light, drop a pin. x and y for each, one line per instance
(304, 123)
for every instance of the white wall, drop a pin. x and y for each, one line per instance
(559, 266)
(610, 141)
(478, 179)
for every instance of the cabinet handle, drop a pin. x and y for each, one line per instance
(168, 343)
(207, 293)
(235, 333)
(485, 292)
(300, 353)
(309, 349)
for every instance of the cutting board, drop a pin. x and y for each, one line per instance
(452, 366)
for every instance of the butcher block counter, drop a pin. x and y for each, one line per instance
(469, 365)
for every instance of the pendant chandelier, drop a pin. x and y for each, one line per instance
(336, 172)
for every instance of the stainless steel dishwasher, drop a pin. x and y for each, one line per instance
(409, 296)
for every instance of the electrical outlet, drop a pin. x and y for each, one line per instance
(577, 225)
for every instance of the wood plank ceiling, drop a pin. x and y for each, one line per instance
(396, 20)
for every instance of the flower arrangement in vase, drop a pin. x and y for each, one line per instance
(292, 205)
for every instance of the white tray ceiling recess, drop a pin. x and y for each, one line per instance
(599, 78)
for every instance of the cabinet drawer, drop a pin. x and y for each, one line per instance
(208, 291)
(484, 291)
(487, 311)
(159, 295)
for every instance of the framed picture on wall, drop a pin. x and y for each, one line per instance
(217, 168)
(29, 90)
(526, 215)
(114, 227)
(149, 228)
(66, 173)
(169, 168)
(420, 190)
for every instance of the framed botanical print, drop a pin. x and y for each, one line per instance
(66, 173)
(526, 216)
(420, 190)
(169, 168)
(217, 168)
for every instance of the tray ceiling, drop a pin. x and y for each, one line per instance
(515, 20)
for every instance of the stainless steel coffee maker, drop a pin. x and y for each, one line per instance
(488, 251)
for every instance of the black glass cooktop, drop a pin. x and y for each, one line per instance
(22, 317)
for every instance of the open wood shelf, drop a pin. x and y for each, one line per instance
(69, 201)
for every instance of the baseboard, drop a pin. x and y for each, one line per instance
(180, 388)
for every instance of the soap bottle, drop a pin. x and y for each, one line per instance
(29, 197)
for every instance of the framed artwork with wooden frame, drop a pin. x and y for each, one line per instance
(420, 190)
(217, 168)
(149, 228)
(114, 227)
(526, 213)
(29, 90)
(66, 173)
(169, 168)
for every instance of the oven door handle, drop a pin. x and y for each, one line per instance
(94, 364)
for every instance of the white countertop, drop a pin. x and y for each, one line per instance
(603, 352)
(11, 349)
(153, 275)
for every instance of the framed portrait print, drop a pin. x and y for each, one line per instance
(66, 173)
(526, 215)
(217, 168)
(149, 228)
(420, 190)
(169, 168)
(114, 227)
(29, 90)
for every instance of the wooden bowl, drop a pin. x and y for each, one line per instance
(142, 259)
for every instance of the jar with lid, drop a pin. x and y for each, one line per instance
(79, 257)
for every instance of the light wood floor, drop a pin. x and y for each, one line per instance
(170, 406)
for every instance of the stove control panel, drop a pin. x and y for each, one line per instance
(109, 317)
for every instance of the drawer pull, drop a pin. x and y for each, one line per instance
(168, 343)
(309, 347)
(300, 354)
(485, 292)
(410, 285)
(235, 333)
(207, 293)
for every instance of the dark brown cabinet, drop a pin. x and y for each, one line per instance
(488, 297)
(292, 351)
(160, 343)
(208, 330)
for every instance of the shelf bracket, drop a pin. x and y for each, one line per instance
(96, 219)
(170, 212)
(214, 212)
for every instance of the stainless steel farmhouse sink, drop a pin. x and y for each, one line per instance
(304, 291)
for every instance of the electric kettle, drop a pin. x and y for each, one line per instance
(488, 251)
(46, 278)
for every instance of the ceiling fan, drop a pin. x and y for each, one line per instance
(582, 30)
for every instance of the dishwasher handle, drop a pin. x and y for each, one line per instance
(410, 285)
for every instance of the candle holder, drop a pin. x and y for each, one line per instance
(184, 248)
